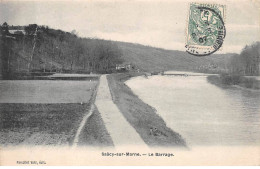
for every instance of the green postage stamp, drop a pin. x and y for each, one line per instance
(206, 29)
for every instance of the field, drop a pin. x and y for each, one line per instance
(46, 91)
(40, 124)
(42, 112)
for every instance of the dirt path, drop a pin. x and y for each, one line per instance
(81, 126)
(121, 132)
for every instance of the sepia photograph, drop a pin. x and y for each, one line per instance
(130, 83)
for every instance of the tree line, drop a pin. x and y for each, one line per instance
(40, 48)
(247, 62)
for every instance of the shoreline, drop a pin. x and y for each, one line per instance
(244, 83)
(141, 116)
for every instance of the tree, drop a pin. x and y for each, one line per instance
(247, 62)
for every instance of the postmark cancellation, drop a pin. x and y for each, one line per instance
(206, 28)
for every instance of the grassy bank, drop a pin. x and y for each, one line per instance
(94, 132)
(140, 115)
(225, 80)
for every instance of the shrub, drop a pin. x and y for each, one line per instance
(230, 79)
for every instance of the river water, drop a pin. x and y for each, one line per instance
(202, 113)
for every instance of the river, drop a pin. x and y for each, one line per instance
(204, 114)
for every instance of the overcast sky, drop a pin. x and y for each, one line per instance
(155, 23)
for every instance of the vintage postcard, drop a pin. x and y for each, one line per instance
(129, 82)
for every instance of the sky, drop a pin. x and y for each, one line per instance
(155, 23)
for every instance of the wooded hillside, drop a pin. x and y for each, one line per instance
(247, 62)
(36, 48)
(40, 48)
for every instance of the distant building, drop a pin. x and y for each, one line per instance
(120, 67)
(17, 32)
(124, 67)
(11, 30)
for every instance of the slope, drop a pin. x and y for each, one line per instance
(155, 59)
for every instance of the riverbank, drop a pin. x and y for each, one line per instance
(229, 80)
(142, 117)
(204, 114)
